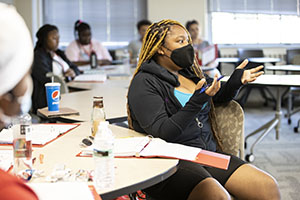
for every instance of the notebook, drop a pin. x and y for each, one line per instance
(63, 111)
(156, 147)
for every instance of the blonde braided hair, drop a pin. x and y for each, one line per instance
(152, 41)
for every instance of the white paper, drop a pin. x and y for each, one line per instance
(62, 191)
(91, 77)
(160, 148)
(6, 159)
(40, 133)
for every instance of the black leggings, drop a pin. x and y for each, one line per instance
(188, 175)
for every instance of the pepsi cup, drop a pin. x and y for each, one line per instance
(53, 94)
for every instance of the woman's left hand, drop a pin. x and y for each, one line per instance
(70, 73)
(250, 75)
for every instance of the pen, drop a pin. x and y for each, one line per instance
(206, 86)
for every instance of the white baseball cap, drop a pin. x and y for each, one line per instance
(16, 49)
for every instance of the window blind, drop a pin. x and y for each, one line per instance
(282, 7)
(110, 20)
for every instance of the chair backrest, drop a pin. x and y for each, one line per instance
(293, 56)
(248, 53)
(230, 122)
(63, 86)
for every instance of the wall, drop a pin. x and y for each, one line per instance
(30, 10)
(180, 10)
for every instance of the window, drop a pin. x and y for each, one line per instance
(113, 22)
(254, 22)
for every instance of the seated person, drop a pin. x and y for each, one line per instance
(80, 50)
(164, 100)
(48, 58)
(135, 45)
(200, 44)
(15, 61)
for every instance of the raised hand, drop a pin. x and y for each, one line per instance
(250, 75)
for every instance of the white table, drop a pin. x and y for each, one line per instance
(263, 60)
(114, 93)
(131, 174)
(285, 68)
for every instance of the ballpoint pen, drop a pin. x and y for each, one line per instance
(206, 86)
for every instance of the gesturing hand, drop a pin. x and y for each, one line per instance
(250, 75)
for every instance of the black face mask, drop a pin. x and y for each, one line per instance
(183, 57)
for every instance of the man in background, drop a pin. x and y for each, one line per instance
(135, 45)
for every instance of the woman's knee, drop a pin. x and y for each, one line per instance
(271, 189)
(208, 189)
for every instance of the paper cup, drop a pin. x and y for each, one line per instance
(53, 96)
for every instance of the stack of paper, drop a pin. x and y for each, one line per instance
(91, 78)
(40, 134)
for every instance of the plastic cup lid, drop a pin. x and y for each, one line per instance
(52, 84)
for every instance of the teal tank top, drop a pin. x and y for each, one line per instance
(182, 97)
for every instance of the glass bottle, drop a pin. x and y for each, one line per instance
(98, 114)
(93, 60)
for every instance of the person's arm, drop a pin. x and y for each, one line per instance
(103, 55)
(71, 65)
(13, 189)
(41, 66)
(239, 77)
(229, 89)
(149, 108)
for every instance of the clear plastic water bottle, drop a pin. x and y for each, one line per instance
(126, 57)
(103, 157)
(22, 146)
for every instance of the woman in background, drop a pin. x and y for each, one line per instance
(199, 44)
(80, 50)
(48, 58)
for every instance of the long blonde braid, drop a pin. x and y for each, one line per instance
(152, 41)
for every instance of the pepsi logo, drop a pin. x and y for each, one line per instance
(55, 94)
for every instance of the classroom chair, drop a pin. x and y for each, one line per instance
(292, 58)
(230, 123)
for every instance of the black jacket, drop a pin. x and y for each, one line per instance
(155, 110)
(42, 64)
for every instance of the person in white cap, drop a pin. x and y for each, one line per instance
(16, 54)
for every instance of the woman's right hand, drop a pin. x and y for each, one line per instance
(211, 90)
(214, 88)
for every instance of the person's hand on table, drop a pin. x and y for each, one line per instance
(70, 73)
(250, 75)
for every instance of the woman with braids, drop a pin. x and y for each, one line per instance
(48, 58)
(80, 50)
(165, 101)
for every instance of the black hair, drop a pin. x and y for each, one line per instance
(42, 34)
(190, 23)
(143, 23)
(79, 27)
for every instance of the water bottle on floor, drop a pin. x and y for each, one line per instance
(104, 157)
(22, 146)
